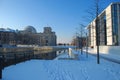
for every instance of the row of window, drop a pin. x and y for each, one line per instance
(115, 23)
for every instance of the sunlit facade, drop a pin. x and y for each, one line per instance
(109, 26)
(28, 36)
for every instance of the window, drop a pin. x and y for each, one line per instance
(115, 23)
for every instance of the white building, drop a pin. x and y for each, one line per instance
(109, 26)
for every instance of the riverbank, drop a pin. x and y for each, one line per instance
(36, 48)
(82, 69)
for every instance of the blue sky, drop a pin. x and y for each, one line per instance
(64, 16)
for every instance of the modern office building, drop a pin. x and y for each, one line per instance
(28, 36)
(109, 26)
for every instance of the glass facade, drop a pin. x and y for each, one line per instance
(105, 33)
(102, 29)
(115, 23)
(108, 26)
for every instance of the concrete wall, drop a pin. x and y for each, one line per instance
(108, 49)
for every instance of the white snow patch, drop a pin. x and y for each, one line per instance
(83, 69)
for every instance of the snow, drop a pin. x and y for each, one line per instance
(82, 69)
(112, 54)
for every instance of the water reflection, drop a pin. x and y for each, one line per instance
(59, 52)
(47, 55)
(11, 58)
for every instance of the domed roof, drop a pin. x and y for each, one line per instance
(30, 29)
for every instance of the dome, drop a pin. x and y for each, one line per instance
(30, 29)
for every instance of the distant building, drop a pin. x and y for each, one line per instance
(79, 42)
(48, 37)
(28, 36)
(109, 26)
(7, 36)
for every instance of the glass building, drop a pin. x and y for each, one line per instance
(109, 26)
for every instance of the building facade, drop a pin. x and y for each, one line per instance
(109, 26)
(47, 38)
(28, 36)
(7, 36)
(79, 42)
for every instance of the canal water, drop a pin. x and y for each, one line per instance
(16, 57)
(48, 55)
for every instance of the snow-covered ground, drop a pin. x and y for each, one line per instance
(113, 55)
(82, 69)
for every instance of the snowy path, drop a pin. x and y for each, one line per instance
(83, 69)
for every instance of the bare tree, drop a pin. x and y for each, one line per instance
(93, 14)
(97, 30)
(80, 36)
